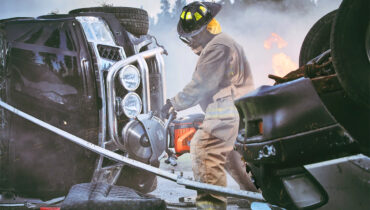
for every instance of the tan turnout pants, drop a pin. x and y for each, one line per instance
(212, 144)
(236, 167)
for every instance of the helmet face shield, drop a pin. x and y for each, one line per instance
(189, 38)
(185, 39)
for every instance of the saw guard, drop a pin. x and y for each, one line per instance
(156, 133)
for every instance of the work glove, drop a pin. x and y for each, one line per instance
(166, 109)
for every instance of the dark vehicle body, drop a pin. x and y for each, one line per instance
(306, 139)
(298, 130)
(55, 68)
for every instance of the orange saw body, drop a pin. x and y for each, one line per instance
(182, 131)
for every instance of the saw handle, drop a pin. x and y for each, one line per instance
(171, 117)
(171, 156)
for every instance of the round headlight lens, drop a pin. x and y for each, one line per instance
(131, 105)
(130, 77)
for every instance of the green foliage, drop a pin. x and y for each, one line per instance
(165, 7)
(179, 4)
(54, 12)
(105, 4)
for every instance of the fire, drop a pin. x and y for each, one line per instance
(274, 38)
(282, 64)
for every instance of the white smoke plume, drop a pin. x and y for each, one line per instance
(250, 25)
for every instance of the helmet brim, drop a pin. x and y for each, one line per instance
(214, 8)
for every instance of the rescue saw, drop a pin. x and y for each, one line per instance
(139, 147)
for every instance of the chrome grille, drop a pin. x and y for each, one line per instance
(109, 52)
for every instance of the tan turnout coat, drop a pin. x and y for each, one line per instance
(222, 74)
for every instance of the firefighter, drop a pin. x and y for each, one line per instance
(221, 75)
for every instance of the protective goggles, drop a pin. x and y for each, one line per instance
(188, 38)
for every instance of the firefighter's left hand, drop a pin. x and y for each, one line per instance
(166, 109)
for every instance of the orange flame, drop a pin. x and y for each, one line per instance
(274, 38)
(282, 64)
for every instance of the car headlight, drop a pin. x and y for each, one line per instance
(131, 105)
(130, 77)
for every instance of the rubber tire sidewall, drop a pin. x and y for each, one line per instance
(134, 20)
(348, 49)
(317, 39)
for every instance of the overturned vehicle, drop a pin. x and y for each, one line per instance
(317, 113)
(90, 73)
(80, 100)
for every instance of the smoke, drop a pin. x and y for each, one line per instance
(289, 19)
(250, 25)
(249, 22)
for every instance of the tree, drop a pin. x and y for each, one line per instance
(165, 13)
(177, 9)
(165, 7)
(54, 12)
(105, 4)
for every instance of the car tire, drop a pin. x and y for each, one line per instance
(101, 196)
(349, 42)
(134, 20)
(317, 39)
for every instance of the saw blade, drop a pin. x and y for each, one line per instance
(136, 142)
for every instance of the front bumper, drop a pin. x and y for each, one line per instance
(306, 147)
(296, 127)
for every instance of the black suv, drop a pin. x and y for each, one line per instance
(317, 113)
(91, 73)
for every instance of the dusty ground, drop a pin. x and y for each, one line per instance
(171, 192)
(166, 190)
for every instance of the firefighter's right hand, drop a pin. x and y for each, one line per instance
(166, 109)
